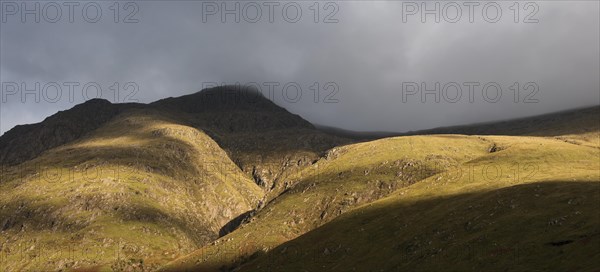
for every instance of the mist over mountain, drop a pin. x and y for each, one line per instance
(369, 53)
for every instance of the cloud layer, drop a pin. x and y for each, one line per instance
(356, 63)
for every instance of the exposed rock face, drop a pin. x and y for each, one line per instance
(266, 141)
(262, 138)
(179, 172)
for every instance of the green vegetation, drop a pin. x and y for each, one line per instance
(346, 177)
(540, 213)
(471, 193)
(198, 183)
(142, 187)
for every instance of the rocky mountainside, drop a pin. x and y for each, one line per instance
(150, 182)
(426, 203)
(265, 140)
(429, 203)
(536, 210)
(226, 180)
(345, 178)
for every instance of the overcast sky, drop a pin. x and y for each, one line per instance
(370, 60)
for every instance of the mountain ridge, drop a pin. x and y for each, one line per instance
(233, 184)
(480, 128)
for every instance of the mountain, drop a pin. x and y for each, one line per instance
(265, 140)
(529, 206)
(430, 202)
(226, 180)
(577, 125)
(142, 186)
(357, 135)
(347, 177)
(131, 186)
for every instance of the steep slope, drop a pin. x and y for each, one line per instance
(347, 177)
(134, 186)
(529, 205)
(265, 140)
(145, 182)
(517, 158)
(134, 193)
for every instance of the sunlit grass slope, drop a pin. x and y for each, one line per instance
(139, 191)
(346, 177)
(132, 187)
(530, 205)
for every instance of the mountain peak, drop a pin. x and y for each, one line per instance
(237, 91)
(221, 98)
(97, 101)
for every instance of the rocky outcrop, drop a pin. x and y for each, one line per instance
(265, 140)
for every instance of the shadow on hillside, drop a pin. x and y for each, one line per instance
(538, 226)
(71, 217)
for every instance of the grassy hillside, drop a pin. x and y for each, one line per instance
(532, 205)
(462, 190)
(226, 180)
(346, 177)
(137, 192)
(132, 186)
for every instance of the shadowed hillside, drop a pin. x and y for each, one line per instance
(531, 204)
(579, 126)
(265, 140)
(134, 185)
(503, 229)
(25, 142)
(463, 168)
(347, 177)
(142, 186)
(224, 179)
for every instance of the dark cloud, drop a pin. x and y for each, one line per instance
(367, 54)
